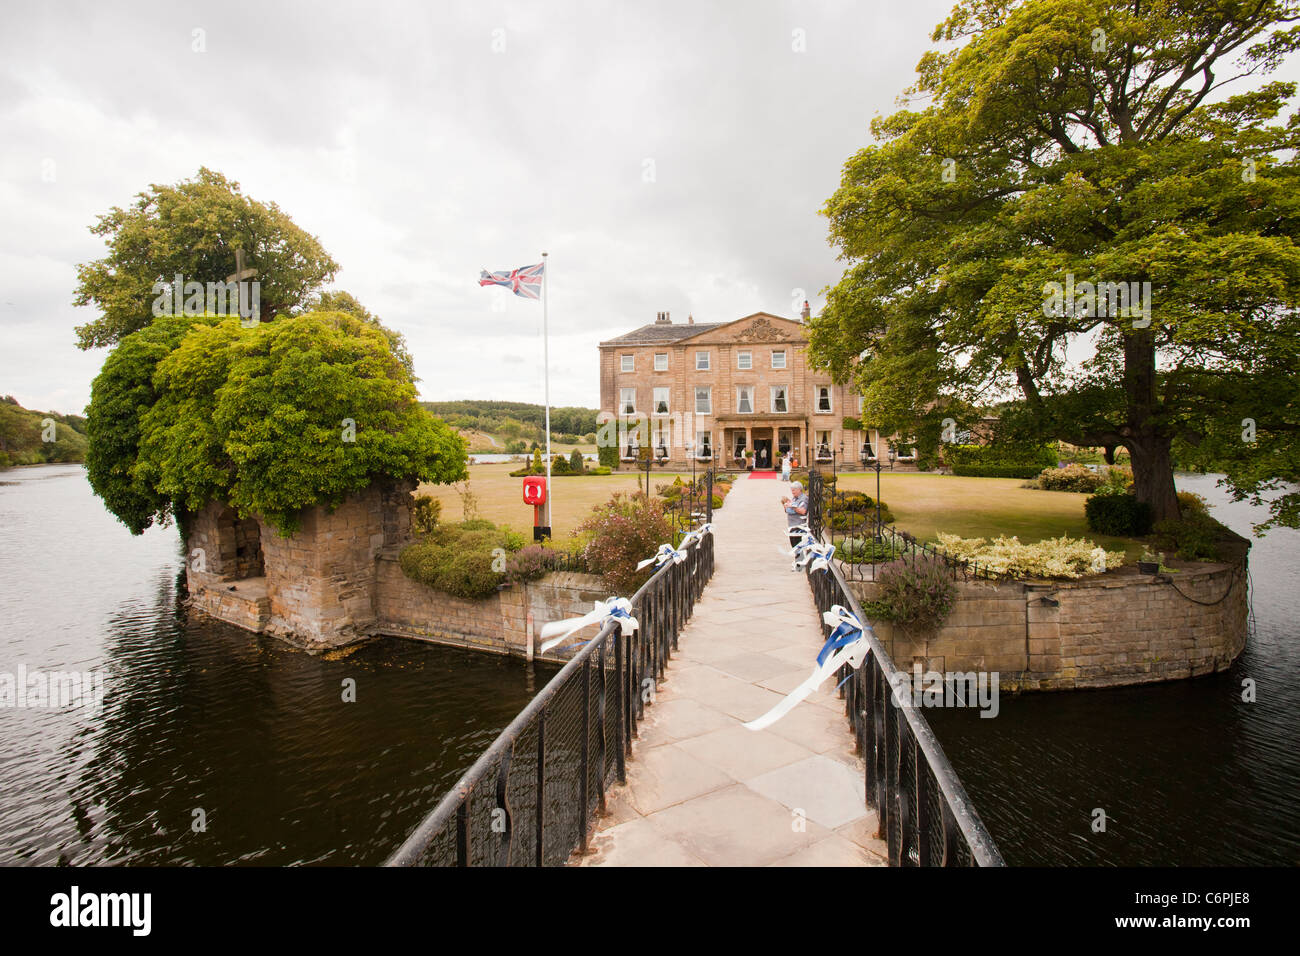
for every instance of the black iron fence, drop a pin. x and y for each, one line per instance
(925, 815)
(529, 800)
(851, 520)
(689, 504)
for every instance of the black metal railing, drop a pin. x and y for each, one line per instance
(850, 520)
(925, 816)
(530, 799)
(689, 504)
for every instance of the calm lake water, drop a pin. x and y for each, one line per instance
(200, 716)
(1186, 772)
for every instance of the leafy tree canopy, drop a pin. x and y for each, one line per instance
(1085, 141)
(340, 301)
(271, 419)
(193, 229)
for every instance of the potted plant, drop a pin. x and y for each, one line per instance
(1149, 563)
(749, 459)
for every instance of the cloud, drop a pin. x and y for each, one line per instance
(668, 156)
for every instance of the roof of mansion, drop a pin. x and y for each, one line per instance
(657, 333)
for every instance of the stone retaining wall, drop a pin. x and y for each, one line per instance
(498, 623)
(1107, 631)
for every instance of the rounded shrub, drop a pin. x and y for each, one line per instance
(918, 595)
(620, 533)
(1070, 478)
(1119, 515)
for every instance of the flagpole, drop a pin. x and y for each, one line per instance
(546, 363)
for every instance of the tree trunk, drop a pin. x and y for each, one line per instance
(1147, 442)
(1153, 475)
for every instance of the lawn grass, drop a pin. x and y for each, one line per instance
(500, 497)
(925, 504)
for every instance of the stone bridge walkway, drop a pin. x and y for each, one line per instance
(701, 789)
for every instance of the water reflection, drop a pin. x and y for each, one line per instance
(1186, 772)
(215, 746)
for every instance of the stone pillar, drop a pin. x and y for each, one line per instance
(321, 579)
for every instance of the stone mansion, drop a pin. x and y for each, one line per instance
(712, 391)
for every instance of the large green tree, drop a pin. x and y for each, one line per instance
(337, 300)
(1072, 142)
(271, 419)
(194, 229)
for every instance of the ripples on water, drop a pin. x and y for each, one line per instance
(1187, 773)
(200, 715)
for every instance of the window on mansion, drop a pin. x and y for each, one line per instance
(703, 400)
(745, 400)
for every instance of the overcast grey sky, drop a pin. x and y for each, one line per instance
(669, 156)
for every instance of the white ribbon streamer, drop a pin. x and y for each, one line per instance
(852, 652)
(616, 607)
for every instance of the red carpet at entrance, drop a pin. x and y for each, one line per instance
(762, 474)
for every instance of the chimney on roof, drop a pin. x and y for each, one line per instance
(661, 318)
(805, 313)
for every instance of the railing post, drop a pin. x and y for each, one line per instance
(503, 803)
(604, 730)
(462, 830)
(586, 751)
(621, 682)
(921, 776)
(541, 787)
(905, 745)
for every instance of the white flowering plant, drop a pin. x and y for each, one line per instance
(1062, 557)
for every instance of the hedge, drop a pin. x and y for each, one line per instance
(997, 471)
(1024, 456)
(1120, 515)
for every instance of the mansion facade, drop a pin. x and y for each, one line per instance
(712, 392)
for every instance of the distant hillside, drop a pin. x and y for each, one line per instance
(516, 421)
(22, 434)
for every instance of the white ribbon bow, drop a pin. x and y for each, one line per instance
(847, 644)
(810, 553)
(697, 535)
(616, 607)
(665, 554)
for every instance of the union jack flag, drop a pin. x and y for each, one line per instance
(525, 281)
